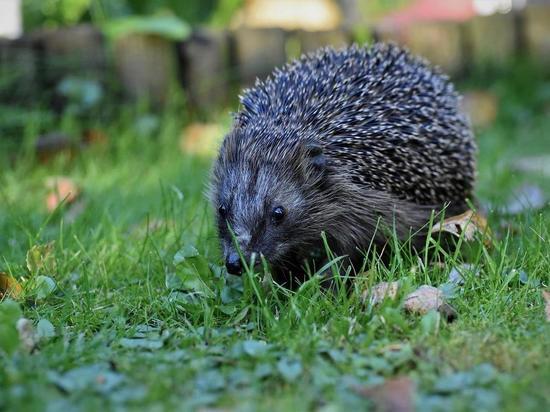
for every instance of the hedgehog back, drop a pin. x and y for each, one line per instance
(383, 117)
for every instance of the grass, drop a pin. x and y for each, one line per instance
(145, 318)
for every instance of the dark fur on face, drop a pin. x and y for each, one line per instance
(267, 196)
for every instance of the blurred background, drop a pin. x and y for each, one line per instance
(81, 73)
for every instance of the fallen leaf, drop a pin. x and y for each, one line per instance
(60, 190)
(424, 299)
(9, 286)
(546, 298)
(381, 291)
(41, 258)
(427, 298)
(468, 224)
(524, 199)
(201, 139)
(28, 338)
(394, 395)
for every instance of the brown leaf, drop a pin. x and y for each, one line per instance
(9, 286)
(427, 298)
(60, 189)
(381, 291)
(424, 299)
(394, 395)
(546, 298)
(468, 224)
(41, 257)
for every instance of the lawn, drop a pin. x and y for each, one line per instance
(133, 310)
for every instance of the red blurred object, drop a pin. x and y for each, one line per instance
(430, 10)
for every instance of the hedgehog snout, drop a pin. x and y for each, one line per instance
(233, 263)
(232, 257)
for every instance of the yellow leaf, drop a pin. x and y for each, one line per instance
(427, 298)
(468, 224)
(9, 286)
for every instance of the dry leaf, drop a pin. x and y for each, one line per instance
(427, 298)
(467, 224)
(41, 258)
(60, 189)
(9, 286)
(395, 395)
(201, 139)
(381, 291)
(27, 334)
(546, 298)
(424, 299)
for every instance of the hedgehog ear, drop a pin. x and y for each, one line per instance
(316, 156)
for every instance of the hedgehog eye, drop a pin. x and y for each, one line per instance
(222, 210)
(278, 214)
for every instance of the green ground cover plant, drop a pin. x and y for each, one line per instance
(131, 309)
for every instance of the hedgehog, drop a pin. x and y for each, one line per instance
(340, 148)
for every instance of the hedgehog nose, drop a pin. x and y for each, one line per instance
(233, 263)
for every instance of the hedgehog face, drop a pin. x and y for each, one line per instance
(257, 210)
(262, 193)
